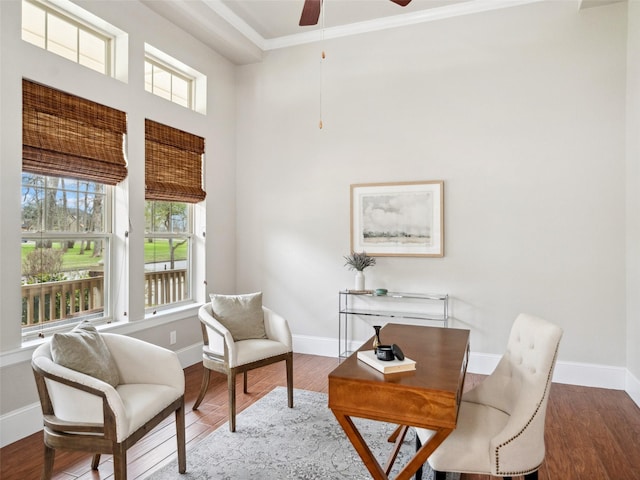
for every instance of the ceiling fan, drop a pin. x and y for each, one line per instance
(311, 11)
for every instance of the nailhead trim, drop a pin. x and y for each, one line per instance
(524, 472)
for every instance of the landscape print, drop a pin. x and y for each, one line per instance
(397, 219)
(393, 219)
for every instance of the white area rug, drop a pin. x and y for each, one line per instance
(275, 442)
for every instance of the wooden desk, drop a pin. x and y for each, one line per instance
(428, 397)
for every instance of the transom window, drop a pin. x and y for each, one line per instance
(65, 36)
(168, 83)
(174, 80)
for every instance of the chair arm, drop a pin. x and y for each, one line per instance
(73, 378)
(205, 315)
(142, 362)
(520, 444)
(277, 328)
(77, 398)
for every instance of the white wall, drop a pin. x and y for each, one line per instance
(633, 200)
(521, 112)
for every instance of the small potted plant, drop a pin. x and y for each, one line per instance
(358, 262)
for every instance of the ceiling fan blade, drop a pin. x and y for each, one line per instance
(311, 12)
(402, 3)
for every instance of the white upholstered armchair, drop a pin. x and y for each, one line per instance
(501, 421)
(228, 355)
(82, 412)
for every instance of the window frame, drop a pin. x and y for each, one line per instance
(31, 332)
(190, 280)
(81, 25)
(173, 72)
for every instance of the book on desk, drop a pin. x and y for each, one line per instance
(386, 366)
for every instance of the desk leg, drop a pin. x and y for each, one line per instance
(376, 471)
(398, 438)
(392, 438)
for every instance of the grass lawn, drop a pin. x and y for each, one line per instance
(158, 251)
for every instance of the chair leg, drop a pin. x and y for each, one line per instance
(244, 386)
(181, 437)
(436, 474)
(289, 363)
(206, 375)
(119, 462)
(418, 447)
(531, 476)
(49, 456)
(231, 381)
(95, 461)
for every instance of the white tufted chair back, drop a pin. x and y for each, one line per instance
(501, 421)
(526, 367)
(519, 386)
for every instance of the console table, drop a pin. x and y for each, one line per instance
(393, 305)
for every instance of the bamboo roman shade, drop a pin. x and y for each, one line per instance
(68, 136)
(173, 164)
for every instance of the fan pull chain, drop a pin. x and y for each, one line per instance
(321, 62)
(322, 57)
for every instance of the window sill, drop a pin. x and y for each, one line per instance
(24, 353)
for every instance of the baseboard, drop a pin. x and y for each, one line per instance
(590, 375)
(572, 373)
(633, 387)
(323, 346)
(190, 355)
(20, 423)
(27, 420)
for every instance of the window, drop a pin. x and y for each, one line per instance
(169, 78)
(167, 83)
(167, 252)
(173, 183)
(65, 248)
(72, 153)
(65, 36)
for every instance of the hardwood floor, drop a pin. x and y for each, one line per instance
(591, 433)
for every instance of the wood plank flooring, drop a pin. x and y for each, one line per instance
(591, 433)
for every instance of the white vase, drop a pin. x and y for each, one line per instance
(359, 281)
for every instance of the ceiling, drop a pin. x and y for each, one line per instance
(242, 30)
(279, 18)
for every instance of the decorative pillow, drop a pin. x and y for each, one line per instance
(240, 314)
(84, 350)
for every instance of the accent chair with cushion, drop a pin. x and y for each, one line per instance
(500, 430)
(240, 334)
(101, 393)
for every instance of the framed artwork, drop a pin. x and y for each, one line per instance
(398, 219)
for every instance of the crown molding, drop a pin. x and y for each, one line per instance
(236, 22)
(217, 26)
(401, 20)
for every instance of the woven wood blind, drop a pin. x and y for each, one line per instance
(173, 164)
(68, 136)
